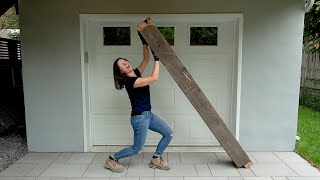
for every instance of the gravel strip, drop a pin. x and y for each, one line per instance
(12, 148)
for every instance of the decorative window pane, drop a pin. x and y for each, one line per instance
(116, 36)
(168, 33)
(207, 36)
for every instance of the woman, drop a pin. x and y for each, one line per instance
(142, 118)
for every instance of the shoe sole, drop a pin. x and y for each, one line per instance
(157, 167)
(113, 170)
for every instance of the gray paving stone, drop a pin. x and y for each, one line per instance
(303, 178)
(194, 157)
(139, 170)
(178, 170)
(174, 157)
(272, 169)
(246, 172)
(168, 178)
(38, 158)
(161, 178)
(100, 158)
(44, 178)
(235, 178)
(304, 169)
(223, 170)
(205, 178)
(85, 178)
(18, 170)
(36, 171)
(17, 178)
(125, 178)
(266, 157)
(63, 158)
(65, 170)
(97, 170)
(223, 157)
(147, 178)
(136, 158)
(203, 170)
(257, 178)
(82, 158)
(291, 157)
(279, 178)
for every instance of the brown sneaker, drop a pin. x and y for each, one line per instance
(158, 163)
(114, 166)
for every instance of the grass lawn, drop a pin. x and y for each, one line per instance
(309, 131)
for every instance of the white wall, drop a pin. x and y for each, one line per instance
(52, 72)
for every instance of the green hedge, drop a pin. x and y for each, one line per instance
(310, 98)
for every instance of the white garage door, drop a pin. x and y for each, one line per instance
(208, 56)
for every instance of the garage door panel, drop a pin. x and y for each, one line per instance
(105, 126)
(104, 100)
(210, 66)
(162, 98)
(212, 83)
(104, 84)
(205, 69)
(202, 137)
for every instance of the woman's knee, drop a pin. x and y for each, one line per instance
(169, 135)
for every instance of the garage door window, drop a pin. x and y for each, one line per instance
(203, 36)
(116, 36)
(168, 33)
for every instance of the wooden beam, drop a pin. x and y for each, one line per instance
(193, 92)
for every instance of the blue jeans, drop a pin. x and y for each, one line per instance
(141, 124)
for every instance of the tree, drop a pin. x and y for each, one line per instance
(9, 20)
(312, 29)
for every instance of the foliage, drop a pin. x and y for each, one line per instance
(203, 35)
(168, 33)
(309, 99)
(116, 36)
(14, 35)
(312, 29)
(9, 20)
(309, 130)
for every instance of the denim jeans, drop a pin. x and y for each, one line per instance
(141, 124)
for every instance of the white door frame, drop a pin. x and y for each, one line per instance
(237, 62)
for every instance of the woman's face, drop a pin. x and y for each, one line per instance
(124, 66)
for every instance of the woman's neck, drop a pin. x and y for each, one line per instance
(131, 74)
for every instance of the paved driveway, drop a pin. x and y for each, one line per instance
(185, 166)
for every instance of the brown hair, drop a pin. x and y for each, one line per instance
(119, 78)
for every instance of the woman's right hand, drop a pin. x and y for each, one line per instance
(143, 41)
(155, 57)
